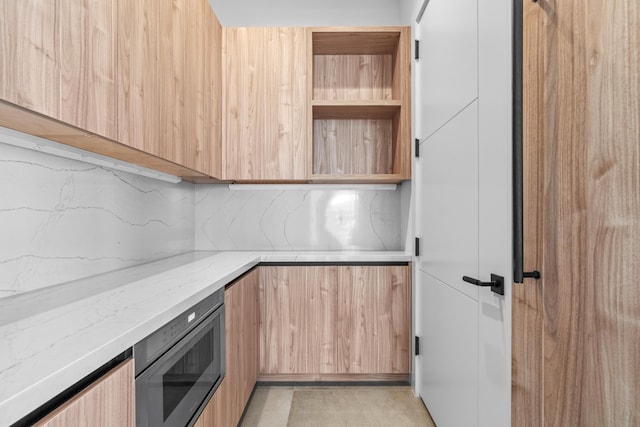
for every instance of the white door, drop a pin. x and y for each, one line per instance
(463, 90)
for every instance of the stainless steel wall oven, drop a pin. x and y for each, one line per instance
(179, 367)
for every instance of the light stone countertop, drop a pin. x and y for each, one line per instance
(53, 337)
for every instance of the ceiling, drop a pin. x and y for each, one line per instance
(249, 13)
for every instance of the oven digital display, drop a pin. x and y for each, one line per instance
(188, 372)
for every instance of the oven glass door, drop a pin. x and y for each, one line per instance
(174, 386)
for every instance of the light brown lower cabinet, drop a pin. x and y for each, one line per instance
(335, 323)
(109, 401)
(241, 328)
(312, 323)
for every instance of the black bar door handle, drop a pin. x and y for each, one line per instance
(531, 275)
(496, 283)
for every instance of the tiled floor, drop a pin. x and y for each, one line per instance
(306, 406)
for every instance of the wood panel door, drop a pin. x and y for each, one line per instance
(448, 64)
(577, 332)
(110, 401)
(265, 104)
(464, 206)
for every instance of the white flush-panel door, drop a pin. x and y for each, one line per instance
(448, 70)
(449, 382)
(463, 215)
(448, 222)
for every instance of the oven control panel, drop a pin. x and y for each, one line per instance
(161, 340)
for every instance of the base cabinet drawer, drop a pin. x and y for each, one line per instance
(109, 401)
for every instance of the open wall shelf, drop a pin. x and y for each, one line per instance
(360, 104)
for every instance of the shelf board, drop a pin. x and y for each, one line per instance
(355, 110)
(359, 178)
(352, 41)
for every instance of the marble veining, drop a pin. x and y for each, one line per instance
(61, 220)
(303, 220)
(44, 349)
(52, 337)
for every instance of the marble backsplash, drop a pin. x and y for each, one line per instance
(61, 220)
(300, 219)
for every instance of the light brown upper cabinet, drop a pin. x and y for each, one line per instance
(141, 81)
(317, 104)
(110, 77)
(202, 144)
(360, 104)
(151, 62)
(58, 59)
(169, 81)
(265, 104)
(212, 54)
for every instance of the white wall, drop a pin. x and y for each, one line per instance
(62, 220)
(300, 13)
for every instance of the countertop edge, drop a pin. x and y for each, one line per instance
(21, 403)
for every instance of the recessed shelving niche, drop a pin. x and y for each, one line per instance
(360, 104)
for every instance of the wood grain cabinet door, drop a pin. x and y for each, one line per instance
(265, 104)
(374, 320)
(169, 74)
(110, 401)
(332, 322)
(88, 65)
(150, 76)
(58, 59)
(241, 328)
(212, 95)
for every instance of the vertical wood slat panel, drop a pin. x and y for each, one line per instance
(565, 227)
(611, 388)
(590, 227)
(527, 319)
